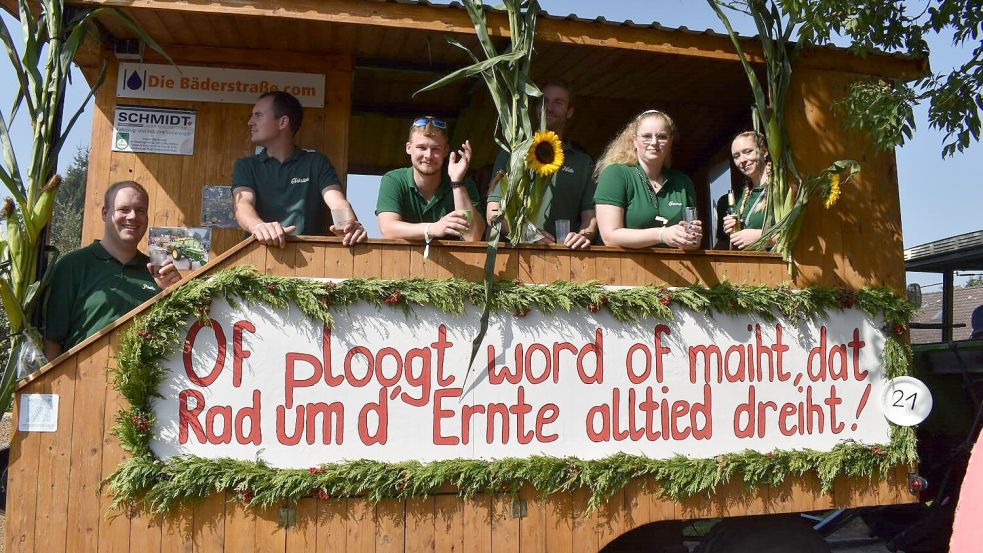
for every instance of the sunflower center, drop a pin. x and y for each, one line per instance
(545, 153)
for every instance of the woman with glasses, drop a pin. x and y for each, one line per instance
(750, 154)
(640, 201)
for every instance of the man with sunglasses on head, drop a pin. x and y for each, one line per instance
(422, 202)
(570, 195)
(279, 190)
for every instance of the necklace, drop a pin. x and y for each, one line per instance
(653, 194)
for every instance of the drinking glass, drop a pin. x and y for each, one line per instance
(562, 230)
(691, 215)
(342, 217)
(157, 258)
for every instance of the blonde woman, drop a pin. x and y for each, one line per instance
(749, 152)
(641, 202)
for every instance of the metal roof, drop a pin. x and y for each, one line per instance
(600, 20)
(961, 252)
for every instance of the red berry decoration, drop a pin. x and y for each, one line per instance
(899, 329)
(876, 450)
(520, 313)
(846, 297)
(247, 496)
(271, 287)
(323, 495)
(594, 308)
(394, 298)
(315, 470)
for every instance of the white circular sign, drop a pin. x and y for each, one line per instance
(906, 401)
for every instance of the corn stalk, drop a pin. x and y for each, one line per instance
(787, 191)
(506, 75)
(52, 36)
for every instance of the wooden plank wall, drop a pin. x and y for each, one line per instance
(175, 182)
(858, 242)
(55, 504)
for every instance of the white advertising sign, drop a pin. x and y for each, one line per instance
(270, 384)
(212, 84)
(154, 130)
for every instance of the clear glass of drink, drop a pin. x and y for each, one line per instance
(341, 218)
(562, 230)
(157, 258)
(690, 215)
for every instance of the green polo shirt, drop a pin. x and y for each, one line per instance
(570, 192)
(623, 186)
(752, 210)
(289, 192)
(398, 194)
(90, 289)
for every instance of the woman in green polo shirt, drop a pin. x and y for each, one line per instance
(749, 150)
(641, 202)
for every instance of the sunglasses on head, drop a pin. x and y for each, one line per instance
(430, 120)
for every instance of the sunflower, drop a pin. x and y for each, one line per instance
(834, 191)
(545, 156)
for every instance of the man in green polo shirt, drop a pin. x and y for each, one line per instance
(422, 202)
(570, 195)
(93, 286)
(280, 190)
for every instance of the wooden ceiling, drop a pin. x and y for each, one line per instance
(616, 69)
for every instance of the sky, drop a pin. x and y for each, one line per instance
(939, 197)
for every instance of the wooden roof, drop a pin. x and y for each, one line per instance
(617, 69)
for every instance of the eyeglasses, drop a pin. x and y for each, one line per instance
(649, 138)
(430, 120)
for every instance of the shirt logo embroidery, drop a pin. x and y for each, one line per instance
(298, 180)
(148, 287)
(675, 204)
(566, 169)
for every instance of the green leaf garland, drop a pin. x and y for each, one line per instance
(162, 484)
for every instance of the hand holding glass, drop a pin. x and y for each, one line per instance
(342, 218)
(157, 258)
(562, 230)
(691, 215)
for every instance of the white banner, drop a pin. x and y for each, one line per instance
(270, 384)
(212, 84)
(154, 130)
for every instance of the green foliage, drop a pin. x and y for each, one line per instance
(65, 232)
(955, 99)
(157, 335)
(52, 34)
(787, 191)
(975, 281)
(882, 110)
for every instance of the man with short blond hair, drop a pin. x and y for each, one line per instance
(422, 202)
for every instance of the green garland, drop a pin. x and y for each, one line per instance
(158, 335)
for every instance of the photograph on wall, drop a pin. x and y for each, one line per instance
(216, 207)
(187, 246)
(154, 130)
